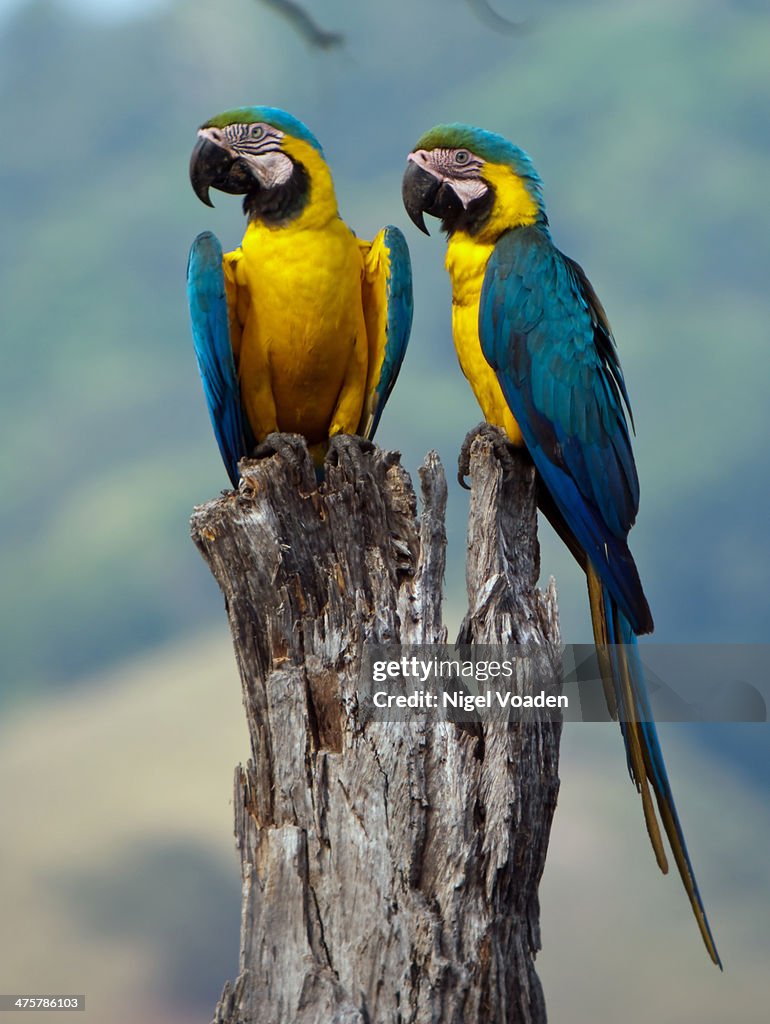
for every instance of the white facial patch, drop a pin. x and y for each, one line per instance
(467, 189)
(460, 169)
(271, 169)
(258, 145)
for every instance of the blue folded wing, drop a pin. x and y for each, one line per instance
(213, 350)
(544, 332)
(388, 308)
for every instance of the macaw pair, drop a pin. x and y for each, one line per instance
(303, 330)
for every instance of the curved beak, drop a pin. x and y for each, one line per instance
(215, 166)
(423, 192)
(419, 189)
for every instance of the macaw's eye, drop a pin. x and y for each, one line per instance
(462, 156)
(257, 131)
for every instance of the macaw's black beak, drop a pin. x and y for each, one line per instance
(214, 166)
(423, 192)
(419, 190)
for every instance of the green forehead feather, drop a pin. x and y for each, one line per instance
(489, 146)
(279, 119)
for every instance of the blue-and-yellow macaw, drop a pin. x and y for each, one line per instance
(535, 344)
(303, 328)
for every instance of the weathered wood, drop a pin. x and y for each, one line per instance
(390, 870)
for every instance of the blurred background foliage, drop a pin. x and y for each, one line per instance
(648, 123)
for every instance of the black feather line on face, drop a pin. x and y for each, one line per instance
(283, 202)
(470, 219)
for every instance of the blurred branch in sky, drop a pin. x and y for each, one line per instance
(305, 25)
(490, 17)
(316, 36)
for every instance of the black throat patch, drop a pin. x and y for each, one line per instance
(470, 219)
(282, 203)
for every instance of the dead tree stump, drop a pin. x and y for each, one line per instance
(390, 869)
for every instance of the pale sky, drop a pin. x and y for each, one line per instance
(99, 8)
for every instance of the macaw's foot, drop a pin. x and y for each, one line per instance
(350, 448)
(291, 447)
(500, 443)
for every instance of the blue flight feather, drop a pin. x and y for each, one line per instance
(213, 351)
(400, 308)
(544, 333)
(623, 645)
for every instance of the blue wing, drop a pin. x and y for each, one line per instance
(207, 299)
(388, 308)
(545, 334)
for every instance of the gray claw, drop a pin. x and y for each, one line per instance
(352, 447)
(291, 447)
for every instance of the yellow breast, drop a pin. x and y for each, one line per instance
(303, 320)
(466, 263)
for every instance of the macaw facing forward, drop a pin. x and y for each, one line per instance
(302, 329)
(535, 344)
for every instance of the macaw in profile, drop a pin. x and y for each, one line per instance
(535, 344)
(303, 328)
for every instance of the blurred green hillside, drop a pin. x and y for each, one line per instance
(120, 879)
(648, 124)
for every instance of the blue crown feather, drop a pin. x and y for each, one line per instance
(286, 123)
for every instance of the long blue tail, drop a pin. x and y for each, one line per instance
(628, 700)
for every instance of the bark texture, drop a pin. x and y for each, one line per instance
(390, 870)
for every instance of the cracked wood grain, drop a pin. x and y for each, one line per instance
(390, 870)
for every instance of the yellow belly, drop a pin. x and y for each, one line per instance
(299, 294)
(466, 262)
